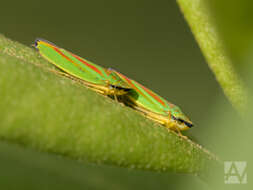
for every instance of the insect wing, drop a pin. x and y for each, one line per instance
(71, 63)
(146, 98)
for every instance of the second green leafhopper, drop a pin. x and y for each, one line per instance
(93, 76)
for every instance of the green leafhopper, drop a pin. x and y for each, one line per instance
(154, 106)
(93, 76)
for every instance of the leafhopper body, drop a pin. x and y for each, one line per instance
(154, 106)
(93, 76)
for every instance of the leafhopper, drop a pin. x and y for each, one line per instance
(154, 106)
(93, 76)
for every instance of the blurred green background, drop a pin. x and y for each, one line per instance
(148, 41)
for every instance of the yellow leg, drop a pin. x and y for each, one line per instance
(115, 98)
(180, 134)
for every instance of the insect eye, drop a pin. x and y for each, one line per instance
(183, 121)
(180, 120)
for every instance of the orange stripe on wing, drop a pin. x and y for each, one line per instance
(66, 57)
(87, 64)
(152, 94)
(147, 90)
(58, 51)
(77, 57)
(130, 82)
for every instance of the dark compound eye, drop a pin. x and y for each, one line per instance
(185, 122)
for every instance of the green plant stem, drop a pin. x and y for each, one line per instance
(55, 114)
(197, 14)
